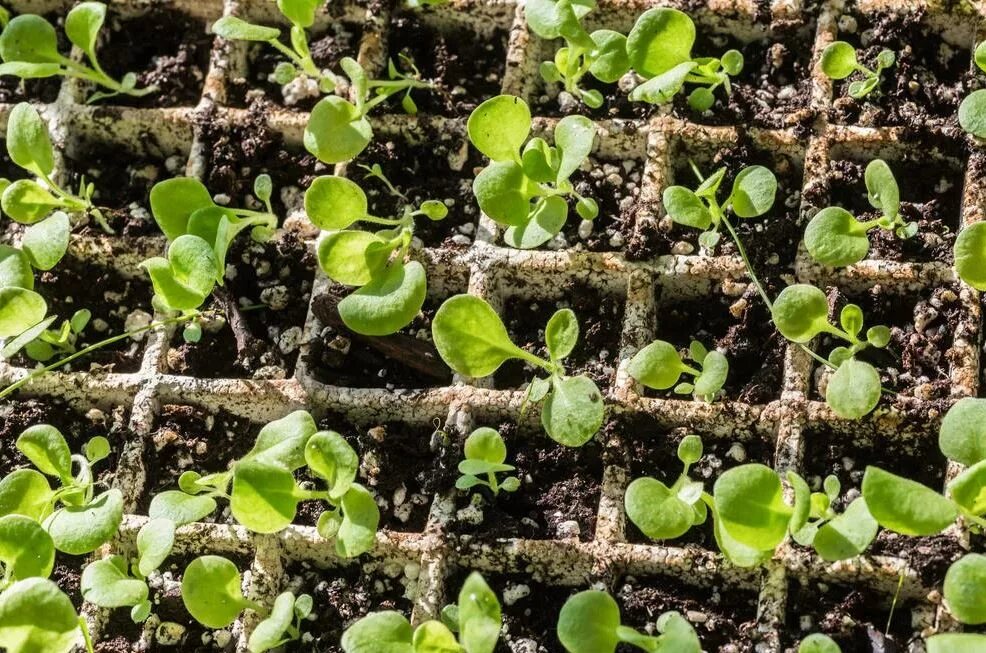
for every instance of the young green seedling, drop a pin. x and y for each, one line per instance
(527, 182)
(485, 452)
(972, 111)
(839, 62)
(263, 493)
(659, 366)
(338, 130)
(35, 615)
(590, 623)
(116, 582)
(78, 520)
(660, 50)
(471, 626)
(602, 54)
(818, 643)
(210, 590)
(752, 195)
(970, 255)
(391, 290)
(965, 589)
(835, 237)
(29, 49)
(472, 340)
(800, 313)
(26, 550)
(666, 513)
(28, 201)
(956, 643)
(56, 342)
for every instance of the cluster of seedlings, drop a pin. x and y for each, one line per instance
(527, 187)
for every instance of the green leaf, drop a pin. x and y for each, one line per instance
(663, 87)
(282, 442)
(271, 632)
(544, 16)
(31, 39)
(610, 60)
(347, 257)
(905, 506)
(30, 70)
(562, 333)
(181, 508)
(715, 369)
(336, 130)
(379, 632)
(237, 29)
(834, 237)
(661, 39)
(818, 643)
(838, 60)
(479, 615)
(14, 345)
(574, 137)
(154, 542)
(388, 303)
(962, 437)
(847, 535)
(956, 643)
(27, 202)
(82, 25)
(504, 193)
(588, 623)
(499, 126)
(15, 269)
(435, 637)
(83, 529)
(28, 142)
(800, 312)
(968, 489)
(26, 549)
(685, 207)
(656, 511)
(187, 276)
(105, 583)
(657, 366)
(332, 458)
(970, 251)
(37, 617)
(46, 448)
(854, 389)
(485, 444)
(470, 337)
(753, 192)
(173, 202)
(802, 502)
(965, 589)
(573, 411)
(334, 203)
(264, 497)
(46, 242)
(25, 492)
(300, 12)
(546, 220)
(972, 113)
(211, 591)
(20, 309)
(750, 505)
(881, 188)
(360, 518)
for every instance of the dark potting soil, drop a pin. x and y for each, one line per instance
(327, 49)
(740, 328)
(14, 89)
(931, 195)
(917, 360)
(723, 617)
(436, 167)
(269, 284)
(123, 180)
(597, 353)
(111, 298)
(924, 88)
(558, 485)
(930, 556)
(855, 618)
(467, 68)
(165, 48)
(341, 597)
(67, 574)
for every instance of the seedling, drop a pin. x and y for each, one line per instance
(956, 643)
(525, 186)
(28, 201)
(801, 313)
(29, 49)
(660, 51)
(115, 582)
(970, 255)
(839, 62)
(752, 195)
(972, 111)
(485, 452)
(338, 130)
(471, 626)
(603, 53)
(659, 366)
(835, 237)
(61, 341)
(35, 615)
(818, 643)
(263, 494)
(210, 590)
(472, 340)
(77, 519)
(663, 513)
(391, 290)
(590, 623)
(965, 589)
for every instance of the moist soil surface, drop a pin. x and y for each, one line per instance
(165, 48)
(924, 88)
(558, 496)
(264, 302)
(553, 100)
(111, 298)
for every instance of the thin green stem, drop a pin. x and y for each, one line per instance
(746, 262)
(86, 636)
(392, 222)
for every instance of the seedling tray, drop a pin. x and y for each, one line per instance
(637, 269)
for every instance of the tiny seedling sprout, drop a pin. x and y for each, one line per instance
(839, 61)
(659, 366)
(485, 453)
(972, 111)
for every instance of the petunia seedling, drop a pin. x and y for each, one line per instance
(839, 61)
(660, 50)
(818, 643)
(666, 513)
(590, 622)
(212, 594)
(116, 582)
(263, 493)
(472, 340)
(78, 520)
(485, 454)
(965, 589)
(970, 255)
(659, 366)
(601, 53)
(972, 111)
(835, 237)
(472, 625)
(29, 49)
(525, 186)
(962, 439)
(752, 195)
(956, 643)
(801, 313)
(390, 289)
(905, 506)
(338, 130)
(36, 615)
